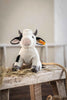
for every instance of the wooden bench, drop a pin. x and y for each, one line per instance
(52, 75)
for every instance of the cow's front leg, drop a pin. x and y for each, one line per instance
(36, 65)
(18, 63)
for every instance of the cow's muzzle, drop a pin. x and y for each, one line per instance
(26, 42)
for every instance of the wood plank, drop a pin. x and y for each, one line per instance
(4, 95)
(46, 53)
(5, 56)
(54, 87)
(64, 53)
(61, 88)
(64, 98)
(35, 92)
(57, 97)
(32, 94)
(50, 45)
(40, 77)
(0, 56)
(46, 89)
(41, 54)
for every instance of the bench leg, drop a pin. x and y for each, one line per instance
(4, 95)
(54, 87)
(35, 92)
(61, 88)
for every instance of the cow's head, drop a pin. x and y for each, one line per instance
(27, 38)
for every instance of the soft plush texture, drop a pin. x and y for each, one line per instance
(28, 53)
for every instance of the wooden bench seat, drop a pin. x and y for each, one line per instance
(34, 81)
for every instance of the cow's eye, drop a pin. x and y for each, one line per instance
(33, 37)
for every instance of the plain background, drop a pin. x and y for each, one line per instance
(21, 14)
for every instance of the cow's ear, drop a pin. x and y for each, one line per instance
(35, 33)
(40, 41)
(15, 40)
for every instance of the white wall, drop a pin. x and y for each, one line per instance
(20, 14)
(60, 14)
(60, 29)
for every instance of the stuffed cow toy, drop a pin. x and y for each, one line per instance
(28, 53)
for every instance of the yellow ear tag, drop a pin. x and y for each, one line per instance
(42, 42)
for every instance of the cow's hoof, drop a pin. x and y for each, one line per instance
(35, 69)
(15, 68)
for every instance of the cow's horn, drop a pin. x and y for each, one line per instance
(35, 33)
(20, 34)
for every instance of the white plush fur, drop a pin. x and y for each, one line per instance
(28, 51)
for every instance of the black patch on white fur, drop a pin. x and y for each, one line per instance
(17, 59)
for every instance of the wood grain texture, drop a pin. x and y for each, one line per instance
(40, 77)
(20, 93)
(4, 95)
(57, 97)
(32, 95)
(61, 88)
(35, 92)
(54, 87)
